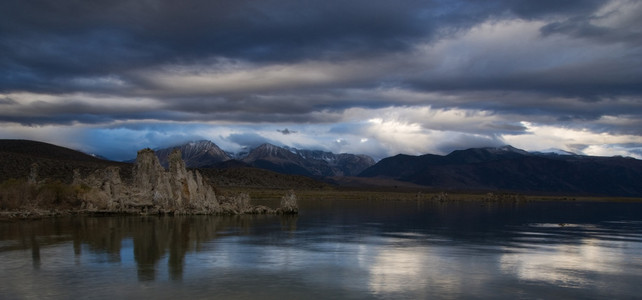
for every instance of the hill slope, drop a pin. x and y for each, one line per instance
(508, 168)
(44, 150)
(58, 163)
(54, 162)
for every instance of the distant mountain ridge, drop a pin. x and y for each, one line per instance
(286, 160)
(196, 154)
(478, 169)
(307, 162)
(342, 164)
(511, 169)
(58, 163)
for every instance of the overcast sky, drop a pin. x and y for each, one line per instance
(373, 77)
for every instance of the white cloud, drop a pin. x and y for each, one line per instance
(613, 150)
(221, 76)
(619, 14)
(541, 137)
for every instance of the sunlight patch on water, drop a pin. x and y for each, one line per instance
(560, 225)
(402, 269)
(554, 265)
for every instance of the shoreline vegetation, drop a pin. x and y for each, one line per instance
(152, 190)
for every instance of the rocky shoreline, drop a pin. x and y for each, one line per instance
(152, 190)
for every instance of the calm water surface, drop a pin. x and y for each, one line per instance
(334, 249)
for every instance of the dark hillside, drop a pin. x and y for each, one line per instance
(510, 169)
(255, 177)
(54, 162)
(44, 150)
(58, 163)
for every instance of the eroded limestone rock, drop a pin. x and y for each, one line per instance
(104, 190)
(33, 174)
(156, 190)
(288, 204)
(151, 183)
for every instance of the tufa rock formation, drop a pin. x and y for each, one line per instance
(288, 204)
(156, 190)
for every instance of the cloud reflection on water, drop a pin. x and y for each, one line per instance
(567, 265)
(417, 269)
(397, 250)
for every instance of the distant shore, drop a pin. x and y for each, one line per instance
(412, 193)
(267, 196)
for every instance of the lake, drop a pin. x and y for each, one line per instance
(334, 249)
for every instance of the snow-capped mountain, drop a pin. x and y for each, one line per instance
(307, 162)
(343, 164)
(285, 160)
(554, 151)
(196, 154)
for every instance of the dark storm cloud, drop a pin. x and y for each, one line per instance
(463, 142)
(56, 40)
(588, 81)
(611, 25)
(250, 140)
(286, 131)
(573, 64)
(45, 40)
(549, 8)
(49, 45)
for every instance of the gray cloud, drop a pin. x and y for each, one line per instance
(286, 131)
(249, 140)
(572, 64)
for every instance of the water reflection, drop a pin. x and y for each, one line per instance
(393, 249)
(153, 238)
(600, 255)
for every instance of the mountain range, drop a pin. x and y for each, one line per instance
(313, 163)
(510, 169)
(477, 169)
(55, 163)
(196, 154)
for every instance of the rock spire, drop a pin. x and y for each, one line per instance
(156, 190)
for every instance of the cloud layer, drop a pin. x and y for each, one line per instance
(372, 77)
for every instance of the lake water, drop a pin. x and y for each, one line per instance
(334, 249)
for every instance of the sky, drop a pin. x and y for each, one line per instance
(365, 77)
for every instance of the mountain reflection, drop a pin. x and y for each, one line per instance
(153, 238)
(334, 249)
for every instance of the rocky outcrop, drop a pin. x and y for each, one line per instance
(101, 190)
(156, 190)
(288, 204)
